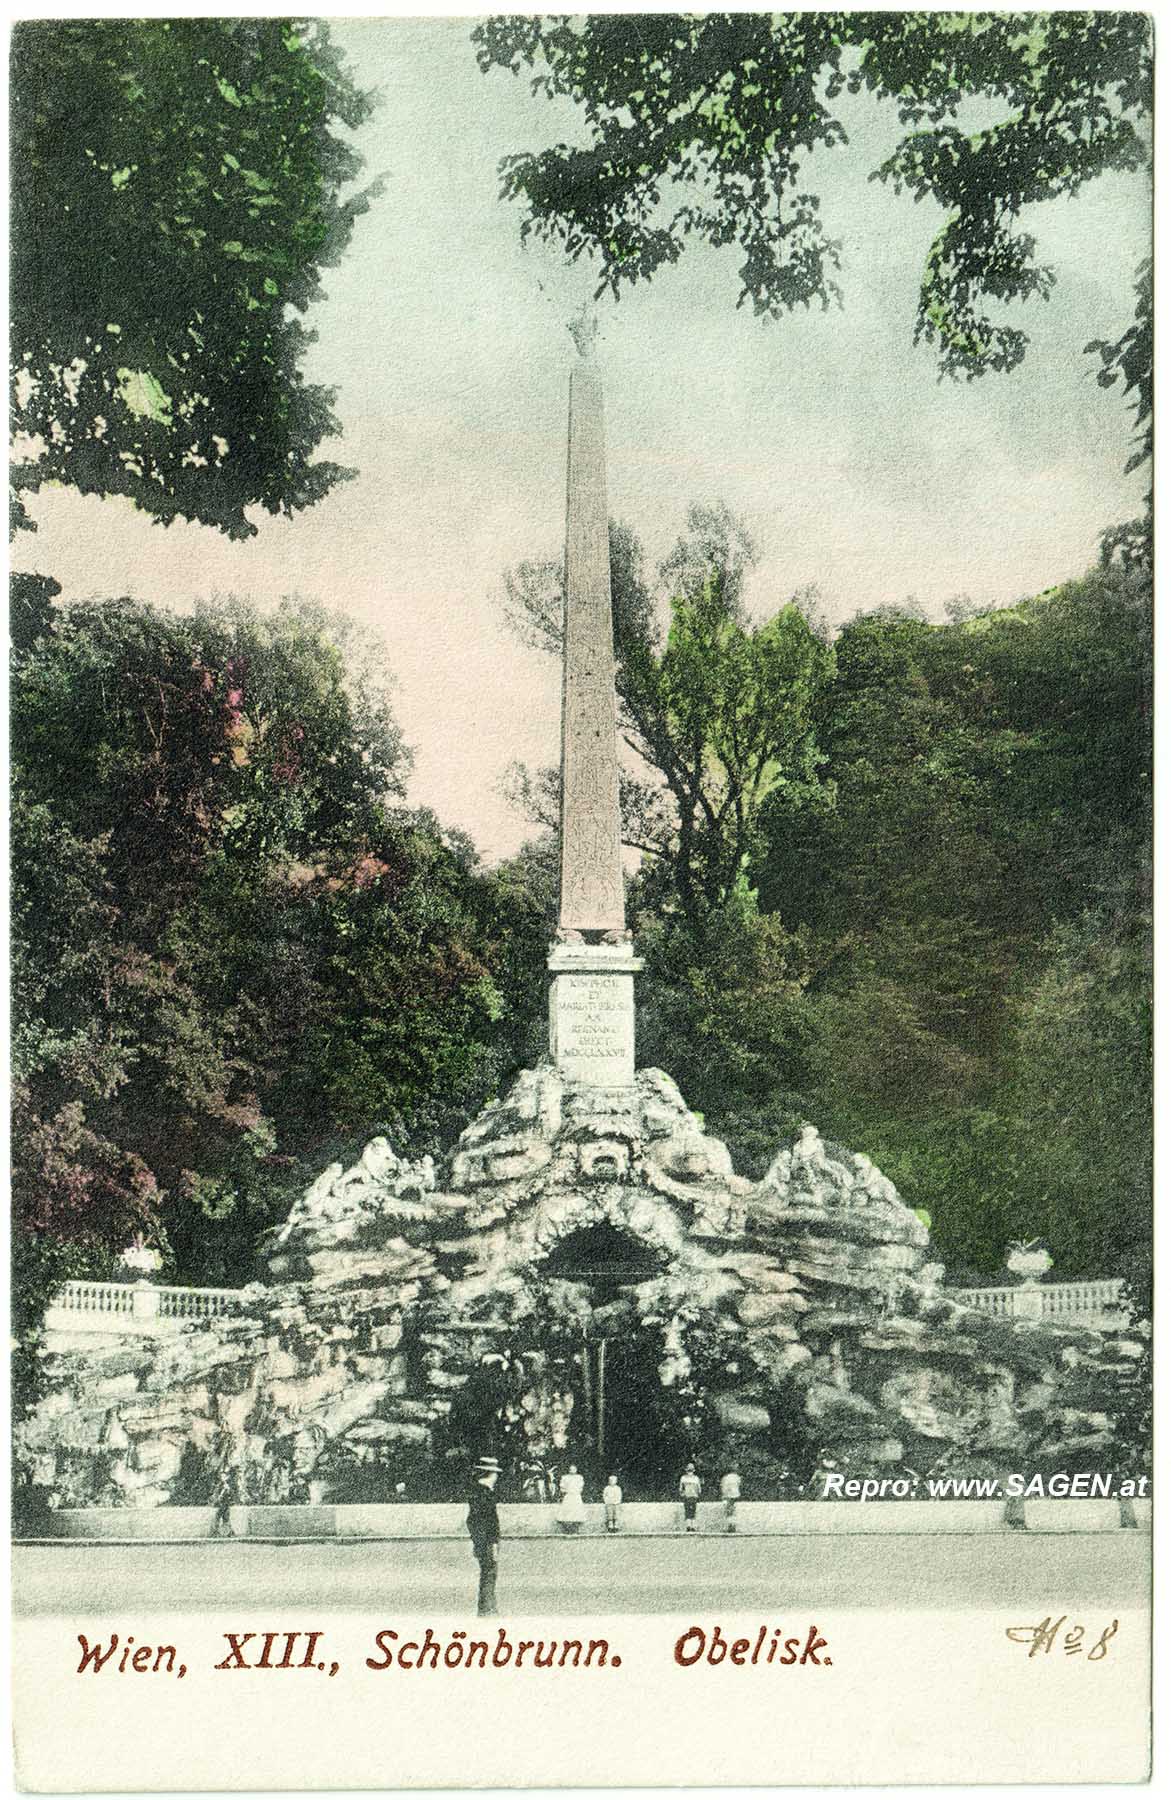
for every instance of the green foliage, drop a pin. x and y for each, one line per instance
(723, 111)
(176, 192)
(723, 1008)
(30, 608)
(722, 712)
(1083, 1082)
(976, 906)
(1131, 362)
(518, 909)
(709, 126)
(899, 887)
(235, 953)
(717, 708)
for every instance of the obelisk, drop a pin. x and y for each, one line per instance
(592, 964)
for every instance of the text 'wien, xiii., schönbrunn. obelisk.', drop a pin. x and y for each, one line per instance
(592, 963)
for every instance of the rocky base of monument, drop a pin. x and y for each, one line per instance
(587, 1279)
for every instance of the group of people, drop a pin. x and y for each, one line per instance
(571, 1510)
(691, 1489)
(484, 1518)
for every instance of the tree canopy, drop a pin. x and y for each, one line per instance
(178, 185)
(701, 126)
(730, 105)
(1131, 362)
(975, 910)
(234, 948)
(716, 707)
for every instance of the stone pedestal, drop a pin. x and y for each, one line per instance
(1028, 1302)
(591, 1013)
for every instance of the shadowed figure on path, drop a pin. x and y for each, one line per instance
(484, 1530)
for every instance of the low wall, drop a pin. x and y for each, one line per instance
(81, 1309)
(761, 1518)
(141, 1308)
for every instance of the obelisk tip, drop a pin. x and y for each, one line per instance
(583, 329)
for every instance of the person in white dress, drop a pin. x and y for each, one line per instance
(730, 1495)
(571, 1512)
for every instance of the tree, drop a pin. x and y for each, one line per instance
(1131, 361)
(236, 953)
(975, 909)
(717, 708)
(30, 609)
(700, 126)
(518, 899)
(723, 1006)
(731, 104)
(176, 192)
(1082, 1085)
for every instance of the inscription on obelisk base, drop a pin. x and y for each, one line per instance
(591, 994)
(591, 1012)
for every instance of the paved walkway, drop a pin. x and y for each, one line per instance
(539, 1576)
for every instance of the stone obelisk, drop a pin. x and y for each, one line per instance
(592, 964)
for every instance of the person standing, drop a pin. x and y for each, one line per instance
(571, 1513)
(690, 1488)
(223, 1499)
(612, 1500)
(225, 1483)
(484, 1531)
(730, 1495)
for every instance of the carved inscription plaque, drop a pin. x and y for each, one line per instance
(591, 1018)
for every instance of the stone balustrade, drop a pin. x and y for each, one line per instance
(141, 1306)
(1092, 1304)
(113, 1306)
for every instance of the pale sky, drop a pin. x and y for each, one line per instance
(852, 465)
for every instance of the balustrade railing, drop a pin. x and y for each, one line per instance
(197, 1303)
(135, 1306)
(142, 1306)
(1055, 1302)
